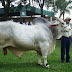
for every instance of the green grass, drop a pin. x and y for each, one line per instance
(28, 63)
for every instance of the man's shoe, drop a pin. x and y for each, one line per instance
(68, 61)
(63, 61)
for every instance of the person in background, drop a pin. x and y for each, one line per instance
(20, 22)
(25, 22)
(65, 43)
(29, 23)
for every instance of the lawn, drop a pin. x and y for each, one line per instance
(28, 63)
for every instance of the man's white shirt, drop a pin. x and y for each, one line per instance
(68, 34)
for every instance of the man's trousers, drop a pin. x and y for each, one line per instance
(65, 44)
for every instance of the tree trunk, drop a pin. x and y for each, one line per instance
(6, 9)
(41, 6)
(63, 15)
(41, 11)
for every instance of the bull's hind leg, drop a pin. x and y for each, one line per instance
(39, 58)
(44, 49)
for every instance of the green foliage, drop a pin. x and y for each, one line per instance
(11, 9)
(62, 6)
(25, 1)
(28, 63)
(27, 6)
(49, 3)
(15, 9)
(18, 8)
(59, 5)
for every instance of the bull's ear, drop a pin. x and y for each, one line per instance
(52, 26)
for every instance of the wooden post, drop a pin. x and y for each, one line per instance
(50, 19)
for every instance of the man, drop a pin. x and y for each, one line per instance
(65, 43)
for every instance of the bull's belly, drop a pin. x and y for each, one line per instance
(25, 44)
(25, 47)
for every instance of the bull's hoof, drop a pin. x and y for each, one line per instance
(48, 66)
(40, 64)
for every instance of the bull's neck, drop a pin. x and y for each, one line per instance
(45, 27)
(54, 32)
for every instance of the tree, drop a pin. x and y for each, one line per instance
(41, 4)
(49, 3)
(6, 5)
(63, 6)
(59, 5)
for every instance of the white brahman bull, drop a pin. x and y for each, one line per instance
(20, 38)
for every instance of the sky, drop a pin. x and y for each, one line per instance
(57, 15)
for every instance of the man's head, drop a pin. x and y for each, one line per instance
(67, 20)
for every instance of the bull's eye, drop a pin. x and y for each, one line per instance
(62, 23)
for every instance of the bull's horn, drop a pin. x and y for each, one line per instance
(60, 20)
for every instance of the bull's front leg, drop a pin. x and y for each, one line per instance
(44, 49)
(45, 62)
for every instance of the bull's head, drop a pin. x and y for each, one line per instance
(61, 27)
(65, 28)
